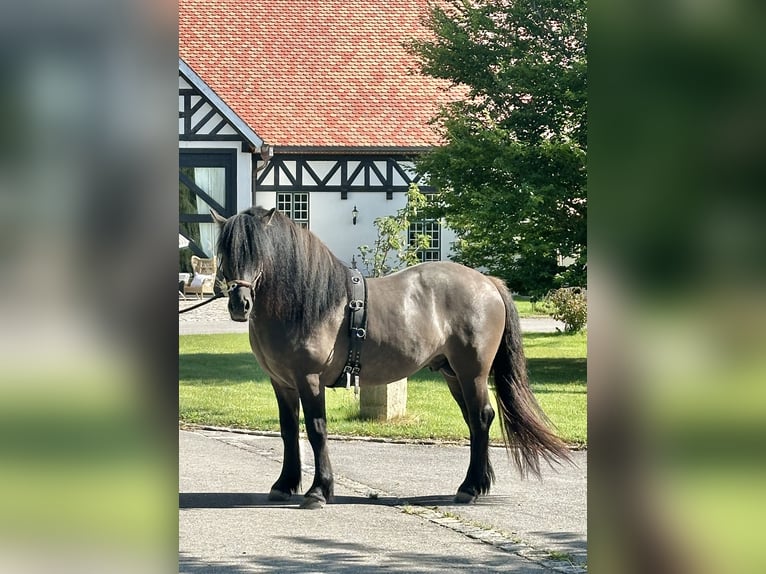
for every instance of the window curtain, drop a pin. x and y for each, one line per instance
(212, 180)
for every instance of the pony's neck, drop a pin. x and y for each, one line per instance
(304, 284)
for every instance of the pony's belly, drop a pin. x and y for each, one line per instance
(382, 373)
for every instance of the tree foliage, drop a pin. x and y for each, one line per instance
(511, 174)
(393, 249)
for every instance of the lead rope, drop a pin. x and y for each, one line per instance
(198, 305)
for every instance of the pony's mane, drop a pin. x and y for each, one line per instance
(301, 280)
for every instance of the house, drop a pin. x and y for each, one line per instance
(312, 107)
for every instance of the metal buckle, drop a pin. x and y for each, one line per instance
(360, 332)
(356, 305)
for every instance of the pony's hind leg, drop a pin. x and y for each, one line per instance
(289, 480)
(473, 398)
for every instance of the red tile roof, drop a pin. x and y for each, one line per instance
(315, 73)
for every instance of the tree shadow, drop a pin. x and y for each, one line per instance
(332, 556)
(327, 553)
(569, 543)
(557, 371)
(554, 335)
(219, 369)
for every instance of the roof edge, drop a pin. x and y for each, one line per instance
(355, 150)
(239, 124)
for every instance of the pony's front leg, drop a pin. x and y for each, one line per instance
(289, 480)
(313, 400)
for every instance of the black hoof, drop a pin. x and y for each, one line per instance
(312, 503)
(279, 496)
(464, 497)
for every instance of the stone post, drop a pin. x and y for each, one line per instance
(383, 402)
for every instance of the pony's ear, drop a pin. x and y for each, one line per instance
(219, 219)
(269, 215)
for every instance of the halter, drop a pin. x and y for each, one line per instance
(234, 283)
(230, 286)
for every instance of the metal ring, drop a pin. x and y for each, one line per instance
(356, 304)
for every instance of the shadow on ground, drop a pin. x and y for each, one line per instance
(333, 556)
(187, 500)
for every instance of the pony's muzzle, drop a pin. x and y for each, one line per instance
(240, 304)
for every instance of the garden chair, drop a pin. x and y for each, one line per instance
(202, 282)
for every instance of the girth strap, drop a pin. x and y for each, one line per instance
(357, 306)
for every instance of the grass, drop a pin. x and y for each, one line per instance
(527, 308)
(221, 384)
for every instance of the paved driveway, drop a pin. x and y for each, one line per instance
(393, 511)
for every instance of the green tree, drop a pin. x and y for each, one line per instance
(511, 174)
(392, 249)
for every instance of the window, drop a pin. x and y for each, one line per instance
(295, 206)
(205, 180)
(432, 230)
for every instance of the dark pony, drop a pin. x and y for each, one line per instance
(295, 294)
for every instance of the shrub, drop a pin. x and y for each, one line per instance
(568, 305)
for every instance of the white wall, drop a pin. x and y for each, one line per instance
(330, 219)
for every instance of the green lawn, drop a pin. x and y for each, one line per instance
(221, 384)
(527, 309)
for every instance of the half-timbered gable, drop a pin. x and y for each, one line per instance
(204, 116)
(215, 161)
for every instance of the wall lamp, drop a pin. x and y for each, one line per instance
(354, 215)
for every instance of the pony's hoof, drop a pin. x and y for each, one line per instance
(311, 503)
(464, 498)
(279, 496)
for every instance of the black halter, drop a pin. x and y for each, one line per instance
(230, 286)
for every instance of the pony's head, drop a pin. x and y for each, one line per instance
(241, 257)
(296, 279)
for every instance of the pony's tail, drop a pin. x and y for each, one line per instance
(525, 428)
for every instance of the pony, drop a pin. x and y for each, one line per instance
(295, 295)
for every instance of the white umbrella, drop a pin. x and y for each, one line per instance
(182, 241)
